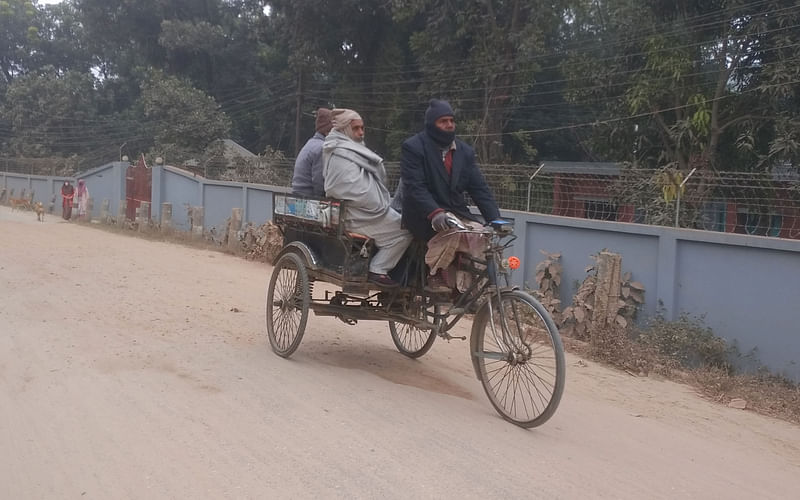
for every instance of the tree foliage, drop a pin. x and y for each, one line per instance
(707, 88)
(694, 83)
(182, 119)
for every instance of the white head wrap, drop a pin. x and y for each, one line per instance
(341, 118)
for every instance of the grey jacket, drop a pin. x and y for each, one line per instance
(307, 179)
(354, 172)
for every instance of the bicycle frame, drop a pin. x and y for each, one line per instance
(485, 283)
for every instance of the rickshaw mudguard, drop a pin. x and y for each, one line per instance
(473, 336)
(476, 322)
(300, 248)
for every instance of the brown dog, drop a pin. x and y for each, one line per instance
(19, 204)
(39, 208)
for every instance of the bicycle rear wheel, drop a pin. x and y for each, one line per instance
(519, 358)
(410, 340)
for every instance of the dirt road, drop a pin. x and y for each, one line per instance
(126, 372)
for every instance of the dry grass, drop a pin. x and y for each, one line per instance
(764, 393)
(717, 381)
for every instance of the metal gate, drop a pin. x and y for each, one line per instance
(138, 187)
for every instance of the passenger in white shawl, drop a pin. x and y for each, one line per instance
(354, 173)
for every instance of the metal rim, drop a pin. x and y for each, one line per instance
(523, 372)
(287, 304)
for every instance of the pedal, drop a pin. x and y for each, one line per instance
(449, 337)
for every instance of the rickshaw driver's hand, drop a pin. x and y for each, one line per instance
(439, 222)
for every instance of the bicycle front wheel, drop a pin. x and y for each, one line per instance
(519, 358)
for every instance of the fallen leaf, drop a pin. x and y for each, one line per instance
(636, 286)
(738, 403)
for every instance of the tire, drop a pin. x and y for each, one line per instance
(410, 340)
(523, 377)
(288, 300)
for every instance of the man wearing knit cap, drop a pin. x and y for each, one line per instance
(436, 171)
(354, 173)
(307, 179)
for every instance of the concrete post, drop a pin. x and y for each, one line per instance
(123, 210)
(89, 209)
(104, 216)
(144, 216)
(606, 295)
(166, 216)
(197, 221)
(234, 227)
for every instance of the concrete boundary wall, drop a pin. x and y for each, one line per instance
(743, 287)
(45, 188)
(218, 198)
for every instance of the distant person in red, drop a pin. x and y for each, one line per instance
(67, 193)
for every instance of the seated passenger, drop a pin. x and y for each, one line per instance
(355, 173)
(307, 178)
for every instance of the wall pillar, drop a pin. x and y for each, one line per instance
(233, 228)
(166, 216)
(143, 216)
(197, 221)
(89, 209)
(666, 287)
(123, 208)
(104, 212)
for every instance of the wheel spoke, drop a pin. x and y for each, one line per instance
(410, 340)
(288, 302)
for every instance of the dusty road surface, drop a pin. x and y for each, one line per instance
(125, 373)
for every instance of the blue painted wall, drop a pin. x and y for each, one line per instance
(743, 287)
(106, 182)
(44, 187)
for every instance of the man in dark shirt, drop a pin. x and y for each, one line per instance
(307, 179)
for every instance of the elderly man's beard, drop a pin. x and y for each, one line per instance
(348, 131)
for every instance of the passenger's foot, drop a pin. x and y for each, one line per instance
(382, 280)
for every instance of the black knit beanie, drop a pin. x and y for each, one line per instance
(437, 109)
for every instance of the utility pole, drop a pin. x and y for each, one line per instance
(297, 115)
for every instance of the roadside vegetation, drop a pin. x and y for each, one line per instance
(684, 350)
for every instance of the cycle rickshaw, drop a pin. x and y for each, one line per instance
(515, 346)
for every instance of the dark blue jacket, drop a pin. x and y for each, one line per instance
(307, 178)
(427, 187)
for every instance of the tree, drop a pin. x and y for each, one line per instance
(708, 88)
(183, 119)
(51, 113)
(482, 55)
(19, 30)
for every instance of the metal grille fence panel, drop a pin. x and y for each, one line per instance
(758, 203)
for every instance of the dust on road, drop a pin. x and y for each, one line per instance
(126, 372)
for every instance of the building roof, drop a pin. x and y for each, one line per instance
(581, 167)
(232, 149)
